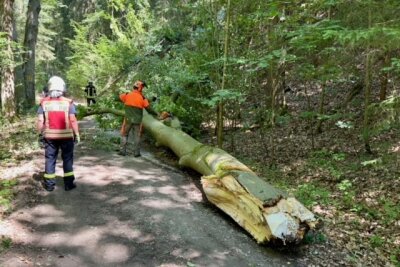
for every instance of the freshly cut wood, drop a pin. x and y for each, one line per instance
(265, 212)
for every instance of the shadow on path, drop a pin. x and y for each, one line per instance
(129, 212)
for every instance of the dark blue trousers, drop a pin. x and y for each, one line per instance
(52, 148)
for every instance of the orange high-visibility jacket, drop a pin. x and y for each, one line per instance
(134, 99)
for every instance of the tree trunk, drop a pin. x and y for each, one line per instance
(220, 110)
(264, 211)
(8, 106)
(18, 71)
(366, 124)
(384, 78)
(310, 119)
(321, 108)
(31, 32)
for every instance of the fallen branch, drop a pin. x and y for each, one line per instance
(264, 211)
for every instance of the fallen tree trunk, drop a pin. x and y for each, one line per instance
(264, 211)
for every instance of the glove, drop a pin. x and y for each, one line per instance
(41, 141)
(77, 139)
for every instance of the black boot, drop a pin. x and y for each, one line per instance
(48, 184)
(47, 187)
(122, 152)
(69, 183)
(124, 143)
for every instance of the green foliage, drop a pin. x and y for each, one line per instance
(395, 66)
(311, 195)
(385, 115)
(7, 193)
(5, 59)
(20, 140)
(314, 238)
(348, 194)
(105, 121)
(376, 241)
(6, 243)
(391, 211)
(283, 120)
(105, 140)
(3, 45)
(97, 56)
(344, 185)
(395, 257)
(308, 114)
(222, 96)
(329, 162)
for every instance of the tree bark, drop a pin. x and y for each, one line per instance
(366, 123)
(31, 32)
(321, 107)
(220, 109)
(264, 211)
(8, 106)
(18, 71)
(384, 78)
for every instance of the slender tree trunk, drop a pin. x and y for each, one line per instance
(321, 108)
(274, 89)
(322, 99)
(31, 32)
(384, 79)
(220, 114)
(366, 128)
(311, 119)
(19, 75)
(8, 106)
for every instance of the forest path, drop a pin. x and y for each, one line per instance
(128, 211)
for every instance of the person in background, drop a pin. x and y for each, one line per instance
(58, 129)
(90, 91)
(134, 102)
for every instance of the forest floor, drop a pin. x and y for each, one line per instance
(355, 195)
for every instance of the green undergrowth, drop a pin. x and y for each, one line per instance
(100, 139)
(5, 243)
(312, 194)
(7, 194)
(20, 140)
(338, 183)
(19, 143)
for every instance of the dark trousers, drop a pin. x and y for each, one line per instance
(89, 100)
(52, 148)
(136, 137)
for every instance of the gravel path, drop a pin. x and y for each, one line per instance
(128, 212)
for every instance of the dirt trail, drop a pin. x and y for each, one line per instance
(128, 212)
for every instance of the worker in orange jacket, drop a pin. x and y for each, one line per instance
(134, 102)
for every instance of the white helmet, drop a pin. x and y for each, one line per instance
(56, 84)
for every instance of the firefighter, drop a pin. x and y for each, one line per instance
(90, 91)
(134, 102)
(58, 129)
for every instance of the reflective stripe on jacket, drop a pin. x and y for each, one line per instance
(56, 118)
(90, 91)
